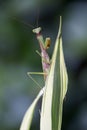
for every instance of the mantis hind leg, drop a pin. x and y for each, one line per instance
(35, 73)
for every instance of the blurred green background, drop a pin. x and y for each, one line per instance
(18, 56)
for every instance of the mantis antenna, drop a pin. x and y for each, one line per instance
(30, 25)
(38, 13)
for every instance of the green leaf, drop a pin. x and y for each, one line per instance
(27, 120)
(55, 91)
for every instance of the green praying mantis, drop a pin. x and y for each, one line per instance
(55, 88)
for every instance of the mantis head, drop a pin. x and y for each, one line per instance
(37, 30)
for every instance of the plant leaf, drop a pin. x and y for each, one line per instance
(27, 120)
(56, 88)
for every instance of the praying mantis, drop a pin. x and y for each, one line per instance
(44, 55)
(44, 45)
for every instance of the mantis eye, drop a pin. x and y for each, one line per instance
(47, 42)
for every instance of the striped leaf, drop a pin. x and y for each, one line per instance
(55, 91)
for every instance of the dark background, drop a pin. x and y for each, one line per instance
(17, 57)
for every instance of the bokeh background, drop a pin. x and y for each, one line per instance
(18, 56)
